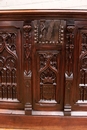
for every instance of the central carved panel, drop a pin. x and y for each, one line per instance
(48, 74)
(48, 31)
(48, 70)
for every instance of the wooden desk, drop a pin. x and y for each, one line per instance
(43, 66)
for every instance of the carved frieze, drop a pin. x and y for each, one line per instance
(49, 32)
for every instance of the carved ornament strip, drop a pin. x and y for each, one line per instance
(27, 48)
(69, 50)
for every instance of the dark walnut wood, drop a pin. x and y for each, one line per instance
(43, 66)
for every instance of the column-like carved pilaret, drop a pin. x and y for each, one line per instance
(27, 45)
(69, 66)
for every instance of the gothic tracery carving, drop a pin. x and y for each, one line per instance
(8, 68)
(8, 40)
(84, 43)
(48, 74)
(47, 85)
(83, 68)
(48, 59)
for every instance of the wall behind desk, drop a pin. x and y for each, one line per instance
(43, 4)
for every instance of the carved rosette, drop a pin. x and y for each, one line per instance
(27, 66)
(49, 32)
(69, 67)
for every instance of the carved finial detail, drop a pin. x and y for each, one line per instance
(27, 28)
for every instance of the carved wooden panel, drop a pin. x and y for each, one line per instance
(47, 64)
(10, 74)
(80, 68)
(8, 68)
(48, 75)
(83, 68)
(49, 31)
(48, 83)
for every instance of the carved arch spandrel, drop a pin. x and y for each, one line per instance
(8, 38)
(48, 60)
